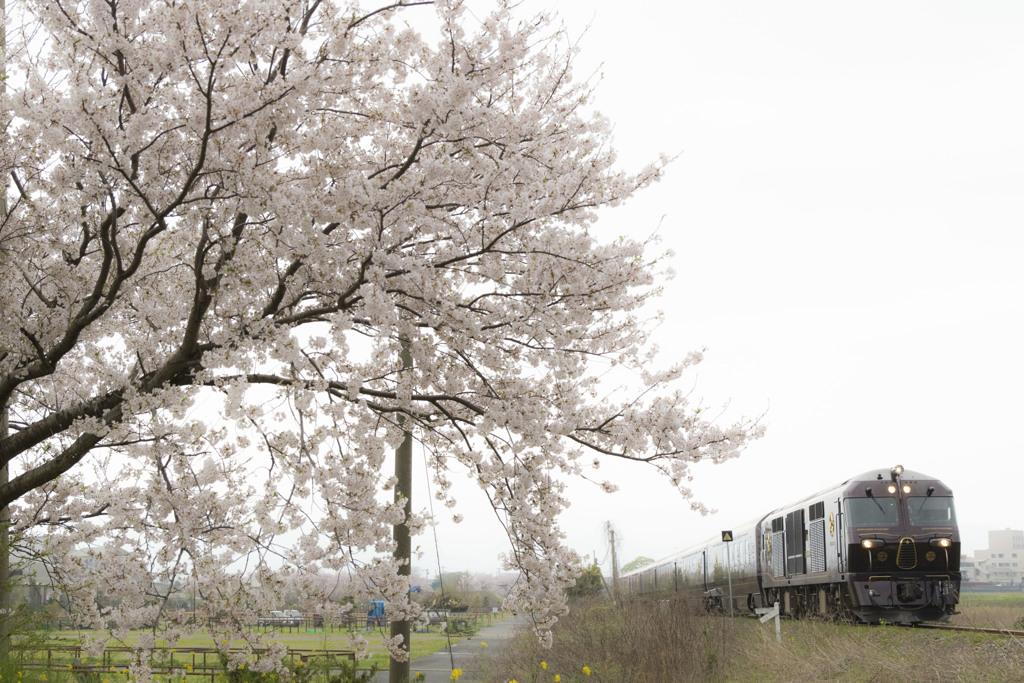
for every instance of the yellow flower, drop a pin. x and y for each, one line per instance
(544, 665)
(44, 677)
(557, 678)
(455, 674)
(586, 671)
(483, 643)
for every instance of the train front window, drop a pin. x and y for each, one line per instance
(873, 511)
(931, 511)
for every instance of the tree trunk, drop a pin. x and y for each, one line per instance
(5, 511)
(5, 545)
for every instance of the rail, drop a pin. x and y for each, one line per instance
(972, 629)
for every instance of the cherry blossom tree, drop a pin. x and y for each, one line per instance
(225, 221)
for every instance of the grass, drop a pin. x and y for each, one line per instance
(990, 610)
(812, 651)
(644, 642)
(13, 671)
(670, 643)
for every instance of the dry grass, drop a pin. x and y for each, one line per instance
(990, 610)
(668, 644)
(816, 651)
(644, 642)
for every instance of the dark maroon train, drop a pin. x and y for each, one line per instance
(882, 546)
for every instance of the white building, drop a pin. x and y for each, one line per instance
(1002, 563)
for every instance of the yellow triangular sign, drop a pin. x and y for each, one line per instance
(726, 535)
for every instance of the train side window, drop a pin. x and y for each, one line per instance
(816, 511)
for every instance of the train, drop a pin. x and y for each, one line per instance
(881, 547)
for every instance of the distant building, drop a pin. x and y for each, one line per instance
(969, 569)
(1002, 563)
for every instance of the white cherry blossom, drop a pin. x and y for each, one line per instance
(222, 220)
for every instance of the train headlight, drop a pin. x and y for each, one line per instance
(870, 543)
(892, 488)
(896, 472)
(942, 542)
(906, 488)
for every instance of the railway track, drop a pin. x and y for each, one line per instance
(974, 629)
(1010, 633)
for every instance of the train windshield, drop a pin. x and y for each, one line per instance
(931, 510)
(874, 511)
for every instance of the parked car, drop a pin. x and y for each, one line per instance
(277, 617)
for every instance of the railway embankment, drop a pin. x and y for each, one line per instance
(651, 642)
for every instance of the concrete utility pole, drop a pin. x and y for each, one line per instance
(398, 672)
(615, 563)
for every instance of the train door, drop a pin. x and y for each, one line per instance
(840, 537)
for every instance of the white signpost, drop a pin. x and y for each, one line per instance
(768, 613)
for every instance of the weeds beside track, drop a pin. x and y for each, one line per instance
(669, 643)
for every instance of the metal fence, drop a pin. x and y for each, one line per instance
(184, 663)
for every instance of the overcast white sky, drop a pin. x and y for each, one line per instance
(846, 213)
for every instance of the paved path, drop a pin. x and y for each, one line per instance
(437, 668)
